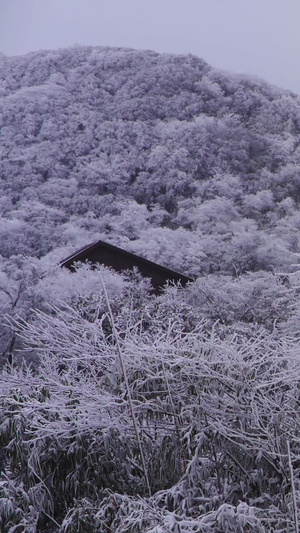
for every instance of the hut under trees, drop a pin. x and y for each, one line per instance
(111, 256)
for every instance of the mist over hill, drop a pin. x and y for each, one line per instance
(120, 410)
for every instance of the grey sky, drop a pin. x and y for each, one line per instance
(258, 37)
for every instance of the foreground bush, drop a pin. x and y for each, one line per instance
(132, 424)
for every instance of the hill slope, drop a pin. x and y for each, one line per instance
(190, 166)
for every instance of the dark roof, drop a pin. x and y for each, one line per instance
(106, 254)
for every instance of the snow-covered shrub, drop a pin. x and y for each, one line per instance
(132, 422)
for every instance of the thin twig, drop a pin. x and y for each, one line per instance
(122, 362)
(293, 488)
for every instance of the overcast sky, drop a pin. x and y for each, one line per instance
(260, 37)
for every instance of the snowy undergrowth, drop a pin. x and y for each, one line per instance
(213, 414)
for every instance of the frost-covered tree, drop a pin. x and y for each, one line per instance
(83, 126)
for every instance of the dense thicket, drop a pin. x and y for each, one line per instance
(142, 417)
(139, 413)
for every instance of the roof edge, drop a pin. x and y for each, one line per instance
(76, 256)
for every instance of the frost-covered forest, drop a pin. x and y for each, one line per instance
(121, 410)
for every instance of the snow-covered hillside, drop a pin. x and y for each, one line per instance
(120, 410)
(143, 149)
